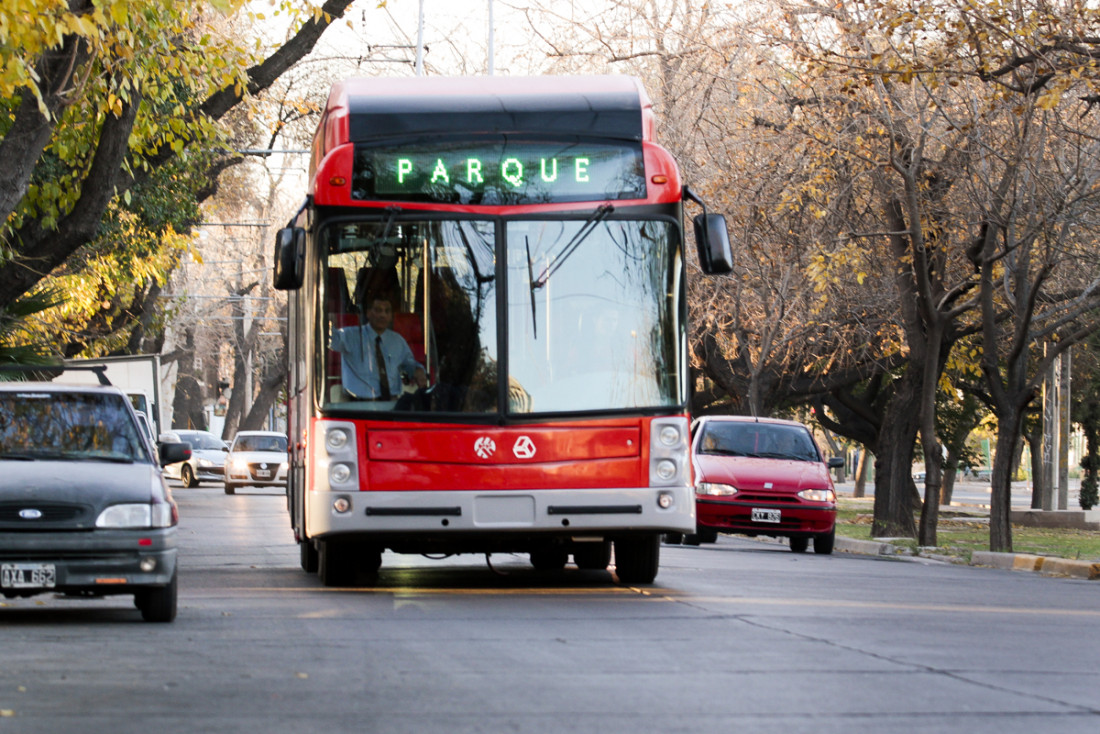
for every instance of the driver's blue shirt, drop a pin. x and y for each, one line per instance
(358, 367)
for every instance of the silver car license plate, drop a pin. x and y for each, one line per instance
(28, 576)
(760, 515)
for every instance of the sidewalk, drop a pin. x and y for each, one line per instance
(1049, 566)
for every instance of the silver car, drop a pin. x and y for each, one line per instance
(257, 459)
(207, 462)
(84, 510)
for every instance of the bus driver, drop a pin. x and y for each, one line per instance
(373, 356)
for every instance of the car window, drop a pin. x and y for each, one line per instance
(202, 441)
(260, 443)
(69, 427)
(761, 440)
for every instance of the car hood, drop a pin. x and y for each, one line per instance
(252, 457)
(91, 484)
(215, 456)
(746, 473)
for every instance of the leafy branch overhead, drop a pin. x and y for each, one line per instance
(100, 95)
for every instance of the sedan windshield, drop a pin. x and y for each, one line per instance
(760, 440)
(68, 426)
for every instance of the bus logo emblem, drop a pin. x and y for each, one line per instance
(524, 448)
(484, 447)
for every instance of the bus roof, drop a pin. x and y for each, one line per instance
(364, 109)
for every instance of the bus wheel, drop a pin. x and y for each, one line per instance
(335, 563)
(637, 558)
(592, 556)
(549, 559)
(308, 552)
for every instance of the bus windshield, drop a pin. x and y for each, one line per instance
(589, 315)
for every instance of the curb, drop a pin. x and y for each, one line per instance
(1046, 565)
(1040, 564)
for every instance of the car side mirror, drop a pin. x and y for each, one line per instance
(173, 453)
(290, 258)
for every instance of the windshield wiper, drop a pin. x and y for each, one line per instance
(586, 229)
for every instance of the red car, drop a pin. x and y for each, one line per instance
(762, 476)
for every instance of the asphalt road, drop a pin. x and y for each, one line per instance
(739, 636)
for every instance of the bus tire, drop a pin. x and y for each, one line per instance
(637, 558)
(549, 559)
(593, 556)
(335, 563)
(308, 552)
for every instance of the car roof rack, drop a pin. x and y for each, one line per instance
(100, 370)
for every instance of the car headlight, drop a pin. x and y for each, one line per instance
(818, 495)
(715, 490)
(126, 516)
(239, 465)
(206, 463)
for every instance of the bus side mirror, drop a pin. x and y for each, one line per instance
(713, 241)
(290, 258)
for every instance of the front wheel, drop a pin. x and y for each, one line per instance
(823, 543)
(158, 604)
(308, 552)
(549, 559)
(230, 488)
(637, 558)
(187, 476)
(800, 544)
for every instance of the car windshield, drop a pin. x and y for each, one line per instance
(202, 441)
(69, 427)
(761, 440)
(260, 443)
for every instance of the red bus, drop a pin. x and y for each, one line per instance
(487, 340)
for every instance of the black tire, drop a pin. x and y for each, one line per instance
(230, 488)
(549, 559)
(308, 552)
(158, 604)
(692, 539)
(800, 544)
(592, 556)
(674, 538)
(335, 563)
(637, 558)
(187, 476)
(708, 535)
(823, 544)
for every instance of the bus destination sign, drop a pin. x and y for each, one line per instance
(499, 173)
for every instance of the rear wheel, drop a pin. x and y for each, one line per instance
(823, 543)
(800, 544)
(549, 559)
(637, 558)
(592, 556)
(187, 476)
(158, 604)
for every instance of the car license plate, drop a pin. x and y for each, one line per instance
(263, 473)
(28, 576)
(759, 515)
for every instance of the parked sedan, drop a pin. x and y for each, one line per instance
(763, 477)
(207, 462)
(256, 459)
(84, 510)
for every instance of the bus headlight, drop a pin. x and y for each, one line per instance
(339, 473)
(669, 453)
(336, 439)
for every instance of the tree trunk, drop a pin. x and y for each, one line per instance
(861, 475)
(894, 486)
(950, 473)
(273, 381)
(1000, 523)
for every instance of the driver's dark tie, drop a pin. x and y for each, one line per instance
(383, 378)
